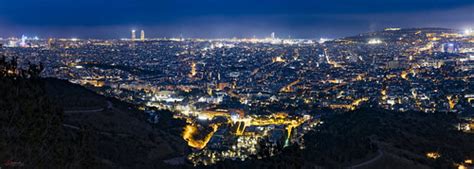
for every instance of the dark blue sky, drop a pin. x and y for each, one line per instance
(226, 18)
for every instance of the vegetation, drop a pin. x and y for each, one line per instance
(401, 138)
(35, 131)
(31, 132)
(76, 98)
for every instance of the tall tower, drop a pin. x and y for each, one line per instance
(50, 43)
(193, 69)
(142, 35)
(273, 35)
(134, 36)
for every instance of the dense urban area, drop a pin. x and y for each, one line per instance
(240, 97)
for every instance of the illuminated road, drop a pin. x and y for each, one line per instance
(194, 136)
(191, 132)
(288, 88)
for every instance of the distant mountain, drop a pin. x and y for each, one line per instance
(396, 34)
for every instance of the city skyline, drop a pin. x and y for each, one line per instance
(211, 19)
(132, 35)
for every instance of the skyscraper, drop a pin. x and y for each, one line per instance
(273, 35)
(142, 35)
(133, 35)
(50, 43)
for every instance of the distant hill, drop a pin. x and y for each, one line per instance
(395, 35)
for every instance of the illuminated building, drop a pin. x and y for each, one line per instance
(50, 43)
(23, 41)
(450, 48)
(133, 35)
(222, 86)
(278, 59)
(142, 35)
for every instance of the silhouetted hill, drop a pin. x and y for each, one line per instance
(371, 138)
(51, 123)
(120, 134)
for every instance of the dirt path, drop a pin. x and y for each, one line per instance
(379, 155)
(109, 106)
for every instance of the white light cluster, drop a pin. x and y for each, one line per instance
(375, 41)
(469, 32)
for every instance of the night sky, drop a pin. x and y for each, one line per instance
(226, 18)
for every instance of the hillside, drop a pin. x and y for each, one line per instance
(370, 138)
(121, 136)
(50, 123)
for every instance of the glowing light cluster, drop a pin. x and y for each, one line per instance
(190, 133)
(375, 41)
(469, 32)
(433, 155)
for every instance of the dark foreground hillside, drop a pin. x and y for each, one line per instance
(50, 123)
(32, 135)
(374, 139)
(120, 135)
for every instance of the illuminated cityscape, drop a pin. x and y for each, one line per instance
(371, 99)
(260, 88)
